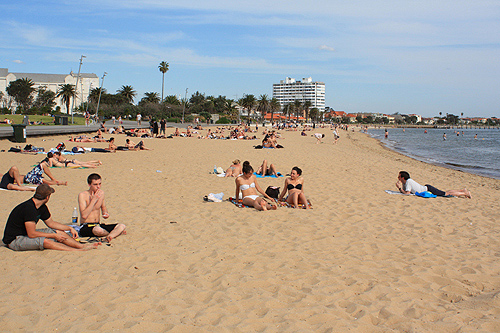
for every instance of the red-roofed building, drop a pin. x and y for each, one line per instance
(335, 114)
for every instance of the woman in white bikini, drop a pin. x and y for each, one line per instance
(295, 187)
(247, 184)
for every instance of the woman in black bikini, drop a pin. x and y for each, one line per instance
(61, 161)
(295, 187)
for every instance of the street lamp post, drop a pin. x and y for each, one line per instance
(88, 101)
(76, 87)
(184, 108)
(99, 99)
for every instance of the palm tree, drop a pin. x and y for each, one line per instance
(307, 105)
(297, 105)
(287, 108)
(94, 94)
(248, 102)
(314, 113)
(65, 92)
(230, 109)
(263, 104)
(128, 93)
(274, 106)
(151, 97)
(171, 99)
(163, 69)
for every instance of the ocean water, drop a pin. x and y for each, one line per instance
(479, 156)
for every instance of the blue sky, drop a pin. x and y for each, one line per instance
(389, 56)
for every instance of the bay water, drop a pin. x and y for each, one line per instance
(472, 150)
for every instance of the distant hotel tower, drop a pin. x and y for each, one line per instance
(289, 90)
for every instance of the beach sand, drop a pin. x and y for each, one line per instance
(360, 260)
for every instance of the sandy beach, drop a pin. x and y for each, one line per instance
(361, 260)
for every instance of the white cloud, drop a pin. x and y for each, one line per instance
(326, 48)
(17, 61)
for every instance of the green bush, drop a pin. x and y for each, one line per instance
(173, 120)
(223, 120)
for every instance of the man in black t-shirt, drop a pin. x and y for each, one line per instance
(20, 232)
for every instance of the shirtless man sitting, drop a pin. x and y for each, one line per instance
(91, 203)
(132, 146)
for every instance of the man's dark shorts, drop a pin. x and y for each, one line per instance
(435, 191)
(6, 180)
(86, 229)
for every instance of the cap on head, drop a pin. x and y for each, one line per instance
(43, 191)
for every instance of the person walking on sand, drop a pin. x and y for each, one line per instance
(335, 136)
(91, 204)
(21, 234)
(406, 185)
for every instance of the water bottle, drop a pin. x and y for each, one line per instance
(74, 219)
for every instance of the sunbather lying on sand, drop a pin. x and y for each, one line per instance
(235, 169)
(12, 180)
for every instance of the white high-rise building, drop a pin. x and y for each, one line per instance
(289, 90)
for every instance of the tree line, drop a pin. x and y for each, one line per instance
(31, 100)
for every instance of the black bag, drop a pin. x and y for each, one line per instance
(273, 192)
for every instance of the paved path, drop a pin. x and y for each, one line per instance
(8, 131)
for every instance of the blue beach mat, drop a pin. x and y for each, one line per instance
(268, 176)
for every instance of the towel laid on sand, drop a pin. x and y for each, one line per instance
(284, 204)
(268, 176)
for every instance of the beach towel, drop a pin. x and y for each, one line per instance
(238, 203)
(268, 176)
(287, 205)
(425, 194)
(4, 189)
(429, 195)
(396, 192)
(284, 204)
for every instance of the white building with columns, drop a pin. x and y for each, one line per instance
(86, 83)
(289, 90)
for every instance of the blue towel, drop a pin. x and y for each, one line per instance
(425, 194)
(270, 176)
